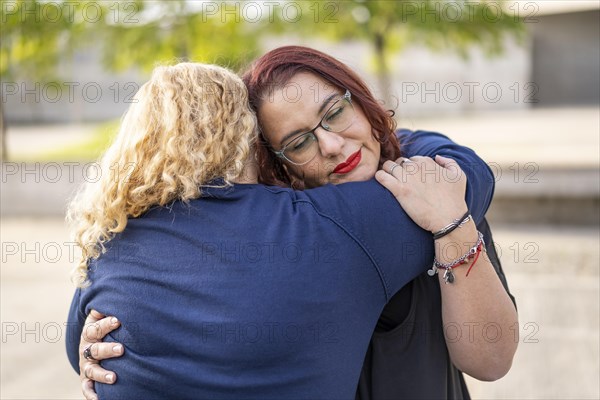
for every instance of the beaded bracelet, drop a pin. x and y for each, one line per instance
(472, 253)
(457, 223)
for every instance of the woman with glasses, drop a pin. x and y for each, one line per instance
(410, 355)
(318, 130)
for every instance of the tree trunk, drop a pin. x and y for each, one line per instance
(383, 72)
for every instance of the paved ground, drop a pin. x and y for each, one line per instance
(553, 273)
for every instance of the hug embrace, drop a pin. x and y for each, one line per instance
(267, 248)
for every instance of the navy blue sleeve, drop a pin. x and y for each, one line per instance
(75, 324)
(480, 179)
(398, 248)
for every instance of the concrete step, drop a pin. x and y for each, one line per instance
(531, 194)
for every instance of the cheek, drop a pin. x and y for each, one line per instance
(372, 162)
(372, 168)
(375, 146)
(377, 154)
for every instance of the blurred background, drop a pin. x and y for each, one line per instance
(517, 81)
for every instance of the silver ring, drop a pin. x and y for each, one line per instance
(87, 353)
(392, 169)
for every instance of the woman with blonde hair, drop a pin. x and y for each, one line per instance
(227, 288)
(165, 149)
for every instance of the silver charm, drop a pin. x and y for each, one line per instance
(432, 271)
(448, 276)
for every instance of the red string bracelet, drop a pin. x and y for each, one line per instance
(473, 253)
(479, 248)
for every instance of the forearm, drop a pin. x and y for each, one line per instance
(479, 299)
(470, 302)
(479, 318)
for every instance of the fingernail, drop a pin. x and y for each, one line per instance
(118, 348)
(114, 321)
(109, 377)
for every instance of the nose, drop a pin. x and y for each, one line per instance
(330, 143)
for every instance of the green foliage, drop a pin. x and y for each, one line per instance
(441, 25)
(26, 42)
(38, 35)
(388, 26)
(181, 33)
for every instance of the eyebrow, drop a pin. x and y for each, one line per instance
(321, 108)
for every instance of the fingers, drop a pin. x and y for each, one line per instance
(389, 182)
(404, 167)
(393, 176)
(426, 165)
(94, 330)
(87, 387)
(401, 167)
(452, 170)
(102, 351)
(403, 160)
(96, 373)
(391, 167)
(94, 316)
(447, 163)
(444, 161)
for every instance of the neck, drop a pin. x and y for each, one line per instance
(249, 174)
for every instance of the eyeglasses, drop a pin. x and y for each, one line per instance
(304, 147)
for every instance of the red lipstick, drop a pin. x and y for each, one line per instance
(350, 163)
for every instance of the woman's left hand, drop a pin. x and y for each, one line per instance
(431, 191)
(96, 327)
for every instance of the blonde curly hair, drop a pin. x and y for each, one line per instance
(189, 125)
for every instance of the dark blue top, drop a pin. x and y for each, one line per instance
(259, 292)
(408, 346)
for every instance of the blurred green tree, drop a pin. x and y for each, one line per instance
(28, 46)
(388, 26)
(38, 37)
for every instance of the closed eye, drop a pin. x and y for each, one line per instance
(333, 114)
(300, 143)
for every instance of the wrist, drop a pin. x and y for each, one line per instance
(447, 225)
(456, 242)
(446, 259)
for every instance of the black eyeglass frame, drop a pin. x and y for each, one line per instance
(281, 153)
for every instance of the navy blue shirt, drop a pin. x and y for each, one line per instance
(258, 292)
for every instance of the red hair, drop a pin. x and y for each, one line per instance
(276, 68)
